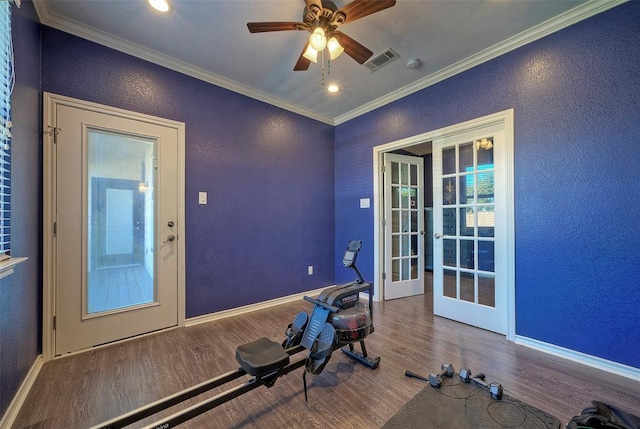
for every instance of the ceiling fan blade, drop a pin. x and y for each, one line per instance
(352, 48)
(360, 8)
(315, 7)
(303, 62)
(261, 27)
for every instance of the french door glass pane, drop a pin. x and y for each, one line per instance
(120, 221)
(467, 287)
(449, 281)
(486, 290)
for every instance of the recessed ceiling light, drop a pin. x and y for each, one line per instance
(163, 6)
(333, 88)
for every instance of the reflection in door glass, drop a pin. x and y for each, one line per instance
(120, 219)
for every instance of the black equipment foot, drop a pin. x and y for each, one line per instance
(365, 360)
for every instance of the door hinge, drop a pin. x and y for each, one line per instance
(384, 222)
(55, 229)
(384, 168)
(55, 322)
(384, 276)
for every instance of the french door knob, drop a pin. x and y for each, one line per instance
(437, 235)
(170, 237)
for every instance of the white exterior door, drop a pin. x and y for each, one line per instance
(404, 220)
(116, 199)
(470, 215)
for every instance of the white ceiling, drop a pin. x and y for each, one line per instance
(210, 40)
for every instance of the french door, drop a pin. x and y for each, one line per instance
(470, 221)
(116, 205)
(404, 220)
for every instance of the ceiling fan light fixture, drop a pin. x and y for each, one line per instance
(311, 54)
(318, 39)
(163, 6)
(335, 49)
(333, 88)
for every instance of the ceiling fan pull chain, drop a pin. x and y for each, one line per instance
(322, 62)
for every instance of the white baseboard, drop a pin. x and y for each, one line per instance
(251, 307)
(16, 404)
(583, 358)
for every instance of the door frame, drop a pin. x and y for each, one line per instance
(50, 103)
(506, 118)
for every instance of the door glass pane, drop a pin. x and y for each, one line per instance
(395, 197)
(486, 187)
(449, 257)
(467, 254)
(406, 226)
(404, 173)
(466, 157)
(414, 268)
(449, 221)
(395, 173)
(414, 175)
(467, 221)
(486, 290)
(120, 221)
(406, 268)
(413, 198)
(486, 256)
(448, 191)
(404, 198)
(449, 284)
(467, 288)
(406, 249)
(449, 160)
(466, 189)
(486, 221)
(395, 246)
(395, 270)
(395, 221)
(485, 156)
(414, 221)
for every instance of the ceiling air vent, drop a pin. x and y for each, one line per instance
(381, 59)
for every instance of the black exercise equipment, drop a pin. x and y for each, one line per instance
(446, 371)
(495, 389)
(412, 374)
(338, 319)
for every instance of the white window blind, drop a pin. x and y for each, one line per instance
(6, 87)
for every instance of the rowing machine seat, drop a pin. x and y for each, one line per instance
(261, 357)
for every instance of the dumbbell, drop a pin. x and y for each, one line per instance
(495, 389)
(446, 371)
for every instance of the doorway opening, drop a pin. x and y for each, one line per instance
(472, 182)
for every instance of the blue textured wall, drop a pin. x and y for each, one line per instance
(577, 147)
(20, 293)
(268, 172)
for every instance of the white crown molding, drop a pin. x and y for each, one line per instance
(577, 14)
(47, 17)
(541, 30)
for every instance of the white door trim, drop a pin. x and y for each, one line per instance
(505, 117)
(51, 101)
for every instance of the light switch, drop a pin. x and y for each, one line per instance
(365, 203)
(202, 198)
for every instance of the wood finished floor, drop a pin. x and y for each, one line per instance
(85, 389)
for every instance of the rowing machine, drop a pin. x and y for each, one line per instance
(338, 319)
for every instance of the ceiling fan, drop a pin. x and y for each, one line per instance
(322, 18)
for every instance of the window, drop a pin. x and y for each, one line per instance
(6, 87)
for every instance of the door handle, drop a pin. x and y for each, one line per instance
(438, 235)
(170, 237)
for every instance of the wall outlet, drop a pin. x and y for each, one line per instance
(310, 270)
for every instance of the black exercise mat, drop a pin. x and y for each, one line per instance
(457, 405)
